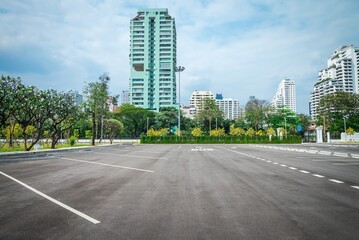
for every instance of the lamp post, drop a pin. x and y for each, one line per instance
(345, 129)
(179, 69)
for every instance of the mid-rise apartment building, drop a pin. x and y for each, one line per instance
(341, 74)
(153, 59)
(197, 98)
(285, 95)
(229, 107)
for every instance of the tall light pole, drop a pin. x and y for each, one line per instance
(345, 128)
(179, 69)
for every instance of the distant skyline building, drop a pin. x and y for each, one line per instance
(285, 95)
(188, 112)
(153, 59)
(197, 98)
(124, 97)
(229, 107)
(341, 74)
(79, 98)
(112, 105)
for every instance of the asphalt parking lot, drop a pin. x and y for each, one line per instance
(182, 192)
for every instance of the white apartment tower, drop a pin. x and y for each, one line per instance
(197, 98)
(229, 107)
(285, 95)
(341, 74)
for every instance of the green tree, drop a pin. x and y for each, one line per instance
(166, 118)
(8, 87)
(283, 117)
(113, 128)
(96, 95)
(30, 110)
(256, 112)
(12, 132)
(333, 108)
(63, 113)
(134, 119)
(209, 114)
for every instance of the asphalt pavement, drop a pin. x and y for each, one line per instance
(182, 192)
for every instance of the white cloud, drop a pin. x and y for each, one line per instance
(239, 48)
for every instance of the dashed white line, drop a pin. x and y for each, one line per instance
(317, 175)
(88, 218)
(275, 163)
(269, 161)
(303, 171)
(356, 187)
(293, 168)
(337, 154)
(283, 165)
(336, 181)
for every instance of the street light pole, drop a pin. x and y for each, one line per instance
(345, 129)
(179, 69)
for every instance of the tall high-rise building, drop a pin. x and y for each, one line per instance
(153, 59)
(341, 74)
(229, 107)
(285, 95)
(197, 98)
(124, 97)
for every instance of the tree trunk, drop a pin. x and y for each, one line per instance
(94, 131)
(54, 139)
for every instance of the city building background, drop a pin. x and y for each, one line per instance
(285, 95)
(197, 98)
(124, 97)
(341, 74)
(229, 107)
(153, 59)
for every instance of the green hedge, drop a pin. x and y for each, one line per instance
(223, 139)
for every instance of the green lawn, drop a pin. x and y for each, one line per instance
(5, 147)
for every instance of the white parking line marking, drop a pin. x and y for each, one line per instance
(317, 175)
(337, 154)
(124, 155)
(303, 171)
(108, 165)
(88, 218)
(345, 164)
(336, 181)
(293, 168)
(356, 187)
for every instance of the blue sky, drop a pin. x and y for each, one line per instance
(239, 48)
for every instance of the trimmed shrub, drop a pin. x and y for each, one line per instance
(219, 139)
